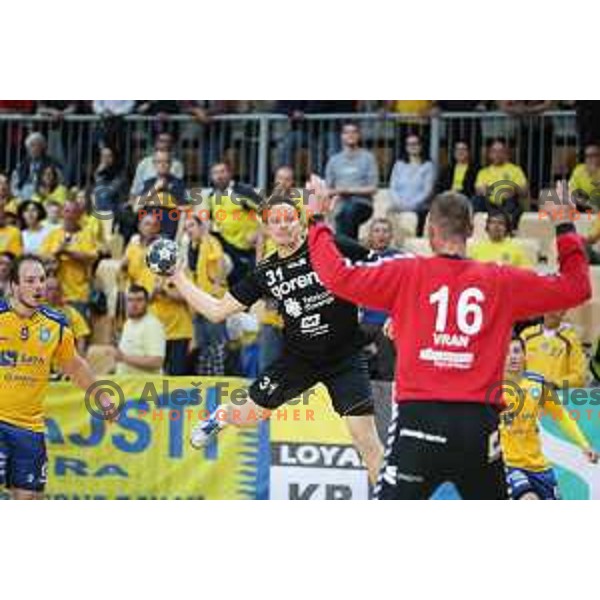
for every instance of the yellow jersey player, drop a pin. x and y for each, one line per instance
(529, 474)
(32, 337)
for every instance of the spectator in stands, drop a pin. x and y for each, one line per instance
(33, 227)
(78, 325)
(7, 200)
(208, 266)
(501, 184)
(142, 347)
(110, 131)
(233, 207)
(595, 363)
(465, 128)
(536, 137)
(592, 238)
(109, 189)
(321, 137)
(382, 362)
(554, 351)
(412, 182)
(166, 194)
(49, 187)
(76, 251)
(12, 136)
(26, 176)
(459, 176)
(165, 302)
(6, 260)
(10, 236)
(53, 214)
(146, 168)
(69, 144)
(588, 122)
(351, 176)
(584, 183)
(500, 247)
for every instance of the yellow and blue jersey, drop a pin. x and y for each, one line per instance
(28, 348)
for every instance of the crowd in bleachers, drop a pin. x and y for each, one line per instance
(94, 237)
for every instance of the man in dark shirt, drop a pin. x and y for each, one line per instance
(322, 339)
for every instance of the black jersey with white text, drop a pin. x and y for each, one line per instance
(318, 326)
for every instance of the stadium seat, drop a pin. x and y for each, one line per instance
(100, 358)
(533, 226)
(479, 221)
(418, 246)
(405, 226)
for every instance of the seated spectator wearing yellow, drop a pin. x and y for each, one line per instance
(554, 351)
(234, 207)
(584, 183)
(10, 202)
(207, 268)
(499, 247)
(76, 252)
(459, 176)
(595, 362)
(53, 215)
(78, 325)
(165, 302)
(142, 347)
(10, 236)
(166, 195)
(49, 187)
(6, 261)
(501, 184)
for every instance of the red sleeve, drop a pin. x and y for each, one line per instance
(373, 285)
(532, 295)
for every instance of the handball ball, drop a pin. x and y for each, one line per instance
(161, 257)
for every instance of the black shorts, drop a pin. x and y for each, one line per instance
(433, 443)
(346, 380)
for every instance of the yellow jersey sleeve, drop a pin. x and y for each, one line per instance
(10, 240)
(65, 350)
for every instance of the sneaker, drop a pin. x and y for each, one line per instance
(204, 432)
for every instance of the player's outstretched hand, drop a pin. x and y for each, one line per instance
(591, 455)
(388, 329)
(177, 273)
(320, 200)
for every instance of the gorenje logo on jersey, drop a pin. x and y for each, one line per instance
(279, 288)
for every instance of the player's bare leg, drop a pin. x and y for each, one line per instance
(245, 415)
(365, 439)
(19, 494)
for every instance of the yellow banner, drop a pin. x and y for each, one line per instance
(146, 454)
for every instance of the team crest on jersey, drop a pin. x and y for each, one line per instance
(24, 335)
(45, 335)
(292, 307)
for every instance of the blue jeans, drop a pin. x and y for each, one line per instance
(351, 213)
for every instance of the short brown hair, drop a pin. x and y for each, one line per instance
(453, 214)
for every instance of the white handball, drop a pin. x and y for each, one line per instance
(161, 257)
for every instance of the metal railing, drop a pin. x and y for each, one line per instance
(255, 144)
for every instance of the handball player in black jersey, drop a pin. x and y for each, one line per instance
(322, 339)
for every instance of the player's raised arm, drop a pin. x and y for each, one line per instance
(531, 294)
(214, 309)
(374, 284)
